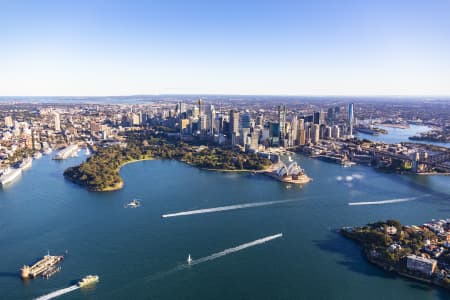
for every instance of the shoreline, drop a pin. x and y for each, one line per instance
(120, 184)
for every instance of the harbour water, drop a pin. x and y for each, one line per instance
(397, 135)
(137, 253)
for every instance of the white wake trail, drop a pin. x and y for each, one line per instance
(225, 208)
(235, 249)
(215, 256)
(59, 293)
(384, 201)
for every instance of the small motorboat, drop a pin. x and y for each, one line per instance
(133, 204)
(189, 259)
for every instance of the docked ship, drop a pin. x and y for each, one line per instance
(37, 155)
(26, 163)
(9, 175)
(66, 152)
(46, 266)
(88, 281)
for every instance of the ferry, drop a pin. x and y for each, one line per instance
(26, 163)
(88, 281)
(9, 175)
(44, 266)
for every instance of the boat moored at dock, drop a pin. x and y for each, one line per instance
(9, 175)
(26, 163)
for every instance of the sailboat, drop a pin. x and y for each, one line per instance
(189, 259)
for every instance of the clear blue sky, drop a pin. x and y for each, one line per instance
(298, 47)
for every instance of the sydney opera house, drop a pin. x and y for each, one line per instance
(290, 174)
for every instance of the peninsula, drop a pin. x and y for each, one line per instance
(100, 172)
(417, 252)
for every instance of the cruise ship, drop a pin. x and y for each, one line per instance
(26, 163)
(44, 267)
(88, 281)
(66, 152)
(9, 175)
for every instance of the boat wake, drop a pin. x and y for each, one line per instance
(59, 293)
(217, 255)
(389, 201)
(234, 249)
(225, 208)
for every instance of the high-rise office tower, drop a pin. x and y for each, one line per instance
(200, 106)
(315, 133)
(335, 132)
(234, 126)
(282, 120)
(211, 119)
(245, 120)
(350, 118)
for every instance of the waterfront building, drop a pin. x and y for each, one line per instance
(301, 137)
(327, 133)
(420, 264)
(335, 132)
(315, 133)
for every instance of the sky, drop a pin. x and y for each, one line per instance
(316, 47)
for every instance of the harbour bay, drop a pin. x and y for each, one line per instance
(128, 248)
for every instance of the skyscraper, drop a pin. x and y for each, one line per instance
(350, 118)
(57, 121)
(282, 120)
(315, 134)
(234, 126)
(211, 119)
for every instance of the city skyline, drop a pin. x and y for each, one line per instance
(254, 48)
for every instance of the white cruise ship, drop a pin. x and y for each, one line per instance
(26, 163)
(9, 175)
(66, 152)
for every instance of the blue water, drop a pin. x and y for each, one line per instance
(134, 250)
(398, 135)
